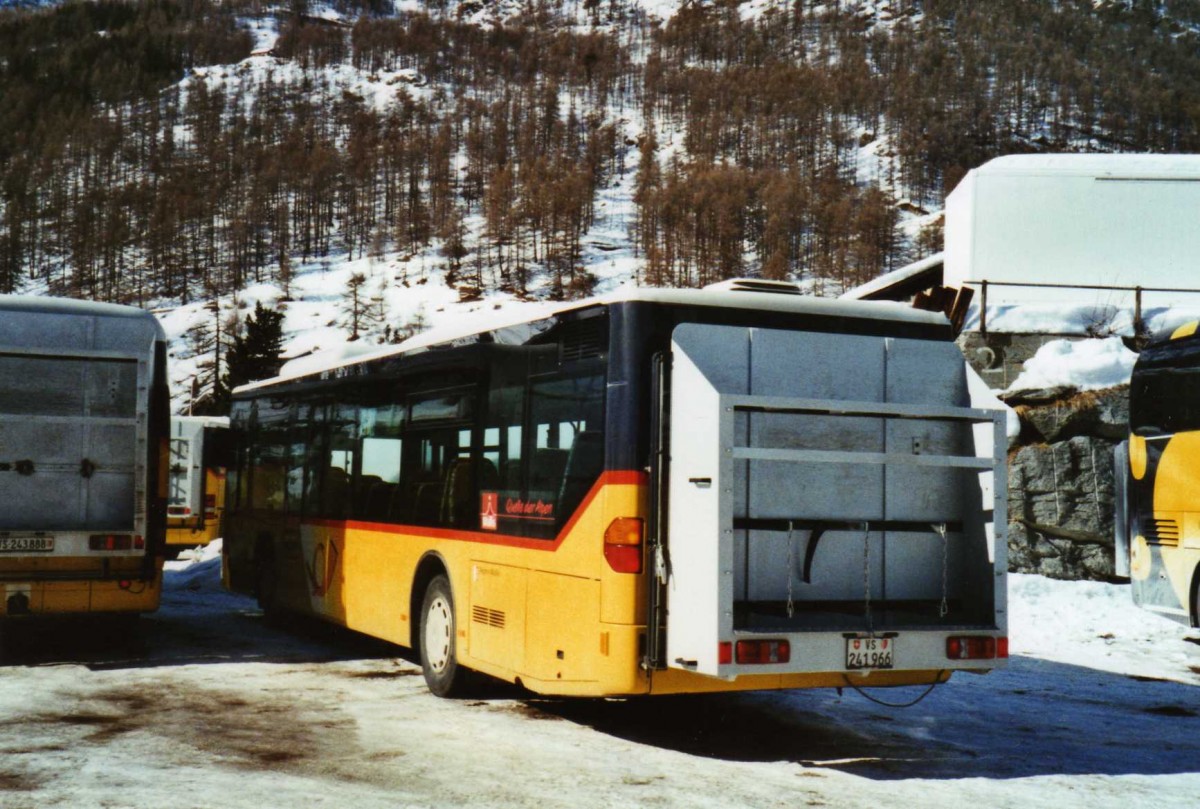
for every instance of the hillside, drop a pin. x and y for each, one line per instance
(164, 153)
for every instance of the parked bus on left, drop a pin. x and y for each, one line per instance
(84, 415)
(199, 457)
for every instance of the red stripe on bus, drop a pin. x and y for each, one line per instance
(617, 478)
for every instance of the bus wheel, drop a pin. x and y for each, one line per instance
(438, 660)
(266, 586)
(1196, 597)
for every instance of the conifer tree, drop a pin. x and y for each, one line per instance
(255, 352)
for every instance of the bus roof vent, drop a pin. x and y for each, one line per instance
(756, 285)
(583, 339)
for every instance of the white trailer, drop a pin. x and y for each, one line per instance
(196, 480)
(1075, 219)
(83, 425)
(836, 504)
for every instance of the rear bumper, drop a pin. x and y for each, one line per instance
(69, 592)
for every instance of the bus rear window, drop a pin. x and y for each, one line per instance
(57, 386)
(1164, 400)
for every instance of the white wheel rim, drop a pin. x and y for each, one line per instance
(438, 627)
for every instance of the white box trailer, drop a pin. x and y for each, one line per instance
(835, 504)
(1086, 219)
(84, 406)
(196, 479)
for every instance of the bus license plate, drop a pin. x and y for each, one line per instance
(20, 544)
(870, 653)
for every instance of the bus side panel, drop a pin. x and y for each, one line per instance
(365, 578)
(1165, 549)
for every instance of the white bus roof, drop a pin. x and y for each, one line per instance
(36, 321)
(68, 306)
(530, 313)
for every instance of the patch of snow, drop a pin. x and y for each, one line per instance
(1097, 625)
(1081, 364)
(196, 570)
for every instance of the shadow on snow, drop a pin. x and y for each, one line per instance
(1035, 718)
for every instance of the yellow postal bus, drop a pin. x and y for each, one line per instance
(196, 480)
(668, 491)
(83, 427)
(1160, 519)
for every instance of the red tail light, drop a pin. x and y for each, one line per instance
(110, 542)
(724, 652)
(976, 648)
(623, 545)
(763, 651)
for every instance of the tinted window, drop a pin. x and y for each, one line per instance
(1164, 393)
(55, 386)
(1165, 401)
(543, 449)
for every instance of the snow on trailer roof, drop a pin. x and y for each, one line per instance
(722, 297)
(1115, 166)
(926, 272)
(206, 421)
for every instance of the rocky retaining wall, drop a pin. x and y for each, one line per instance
(1060, 481)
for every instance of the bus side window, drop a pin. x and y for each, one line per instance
(269, 459)
(314, 437)
(503, 474)
(299, 442)
(379, 496)
(339, 460)
(268, 474)
(566, 417)
(436, 464)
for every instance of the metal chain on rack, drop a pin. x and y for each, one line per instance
(791, 606)
(944, 607)
(867, 574)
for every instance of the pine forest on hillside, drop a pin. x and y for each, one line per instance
(134, 170)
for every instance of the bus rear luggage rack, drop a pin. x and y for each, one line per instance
(902, 470)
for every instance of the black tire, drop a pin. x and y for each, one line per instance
(439, 661)
(1196, 598)
(266, 585)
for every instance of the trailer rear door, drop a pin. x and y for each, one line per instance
(68, 441)
(823, 483)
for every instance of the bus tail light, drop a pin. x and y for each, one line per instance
(967, 647)
(110, 542)
(623, 545)
(763, 651)
(724, 652)
(210, 506)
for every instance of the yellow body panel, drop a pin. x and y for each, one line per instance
(549, 614)
(82, 595)
(1174, 502)
(192, 531)
(1186, 330)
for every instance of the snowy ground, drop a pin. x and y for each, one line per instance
(210, 707)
